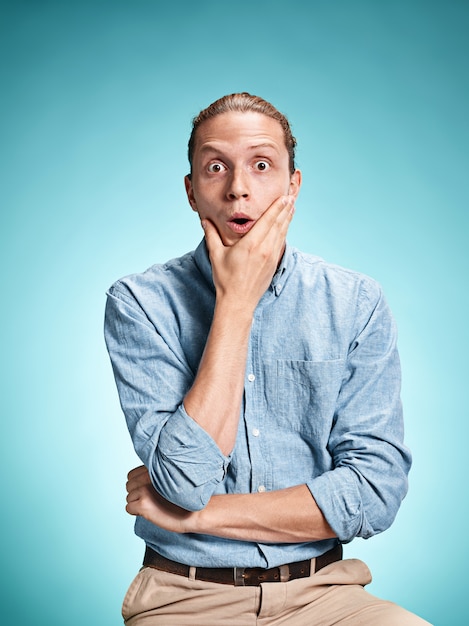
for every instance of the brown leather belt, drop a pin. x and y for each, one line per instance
(243, 576)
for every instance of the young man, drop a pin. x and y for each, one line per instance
(261, 390)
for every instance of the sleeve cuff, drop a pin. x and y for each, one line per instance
(336, 494)
(188, 463)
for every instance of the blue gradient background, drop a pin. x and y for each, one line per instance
(96, 104)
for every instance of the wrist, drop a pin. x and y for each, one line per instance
(232, 309)
(194, 523)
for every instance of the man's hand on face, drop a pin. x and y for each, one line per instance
(242, 272)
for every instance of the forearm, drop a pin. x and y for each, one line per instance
(214, 400)
(285, 516)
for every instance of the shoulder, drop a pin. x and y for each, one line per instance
(334, 278)
(159, 288)
(157, 277)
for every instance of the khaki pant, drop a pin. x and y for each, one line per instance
(332, 596)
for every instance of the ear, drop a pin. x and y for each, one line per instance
(295, 183)
(190, 192)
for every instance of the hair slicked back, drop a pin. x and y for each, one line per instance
(244, 103)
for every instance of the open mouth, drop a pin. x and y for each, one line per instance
(240, 224)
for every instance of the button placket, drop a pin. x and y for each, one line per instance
(254, 391)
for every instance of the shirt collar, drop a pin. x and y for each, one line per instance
(202, 262)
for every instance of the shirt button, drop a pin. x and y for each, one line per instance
(256, 432)
(251, 378)
(279, 287)
(261, 489)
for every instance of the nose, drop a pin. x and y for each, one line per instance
(238, 186)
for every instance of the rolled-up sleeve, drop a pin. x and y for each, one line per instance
(152, 378)
(361, 494)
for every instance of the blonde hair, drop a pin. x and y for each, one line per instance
(243, 103)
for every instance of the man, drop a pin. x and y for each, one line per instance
(261, 390)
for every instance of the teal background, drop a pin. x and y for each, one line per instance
(96, 102)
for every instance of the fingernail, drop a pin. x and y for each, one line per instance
(203, 224)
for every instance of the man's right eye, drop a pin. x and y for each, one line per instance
(215, 168)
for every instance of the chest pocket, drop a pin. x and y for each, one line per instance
(306, 395)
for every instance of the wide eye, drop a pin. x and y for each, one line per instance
(261, 166)
(216, 168)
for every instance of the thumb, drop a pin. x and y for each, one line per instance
(212, 237)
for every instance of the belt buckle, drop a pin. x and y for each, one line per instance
(239, 576)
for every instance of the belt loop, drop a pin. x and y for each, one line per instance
(284, 573)
(192, 571)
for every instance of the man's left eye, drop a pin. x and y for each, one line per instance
(261, 166)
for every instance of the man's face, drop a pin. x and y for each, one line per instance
(240, 166)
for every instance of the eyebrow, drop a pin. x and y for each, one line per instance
(208, 147)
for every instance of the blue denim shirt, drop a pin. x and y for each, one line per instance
(321, 400)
